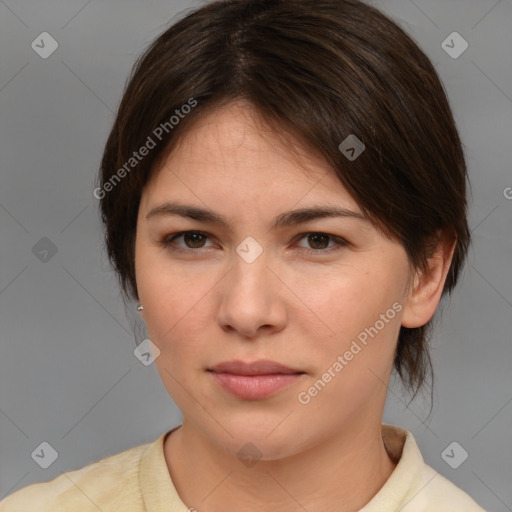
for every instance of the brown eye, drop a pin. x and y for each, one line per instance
(192, 239)
(319, 243)
(318, 239)
(195, 240)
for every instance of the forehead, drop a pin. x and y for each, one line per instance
(235, 150)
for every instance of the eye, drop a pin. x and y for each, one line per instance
(194, 241)
(316, 239)
(194, 238)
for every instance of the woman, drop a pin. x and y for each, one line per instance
(283, 192)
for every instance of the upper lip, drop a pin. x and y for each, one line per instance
(262, 367)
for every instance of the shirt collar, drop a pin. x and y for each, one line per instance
(160, 495)
(158, 491)
(398, 489)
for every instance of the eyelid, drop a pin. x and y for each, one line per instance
(339, 242)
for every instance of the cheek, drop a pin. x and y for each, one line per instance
(175, 308)
(352, 365)
(336, 305)
(353, 299)
(362, 308)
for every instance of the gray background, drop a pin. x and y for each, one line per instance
(68, 375)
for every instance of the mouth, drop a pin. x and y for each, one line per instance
(256, 380)
(262, 367)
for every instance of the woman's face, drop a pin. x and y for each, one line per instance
(249, 291)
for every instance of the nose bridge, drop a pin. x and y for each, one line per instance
(248, 296)
(250, 250)
(250, 264)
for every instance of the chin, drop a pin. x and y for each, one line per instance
(251, 450)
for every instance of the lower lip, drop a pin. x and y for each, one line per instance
(255, 387)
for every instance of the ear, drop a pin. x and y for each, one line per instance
(427, 285)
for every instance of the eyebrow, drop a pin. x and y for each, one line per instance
(291, 218)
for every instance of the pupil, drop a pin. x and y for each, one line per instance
(315, 238)
(189, 235)
(324, 237)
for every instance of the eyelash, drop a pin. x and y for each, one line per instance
(168, 241)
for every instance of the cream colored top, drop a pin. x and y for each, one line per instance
(138, 480)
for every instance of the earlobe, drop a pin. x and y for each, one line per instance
(427, 284)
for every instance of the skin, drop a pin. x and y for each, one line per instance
(303, 309)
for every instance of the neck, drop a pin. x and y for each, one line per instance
(341, 473)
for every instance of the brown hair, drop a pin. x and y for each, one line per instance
(323, 70)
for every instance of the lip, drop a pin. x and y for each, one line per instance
(261, 367)
(254, 381)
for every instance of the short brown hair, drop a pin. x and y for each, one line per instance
(322, 70)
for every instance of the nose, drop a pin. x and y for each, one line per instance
(252, 298)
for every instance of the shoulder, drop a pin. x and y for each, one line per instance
(441, 495)
(109, 484)
(414, 486)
